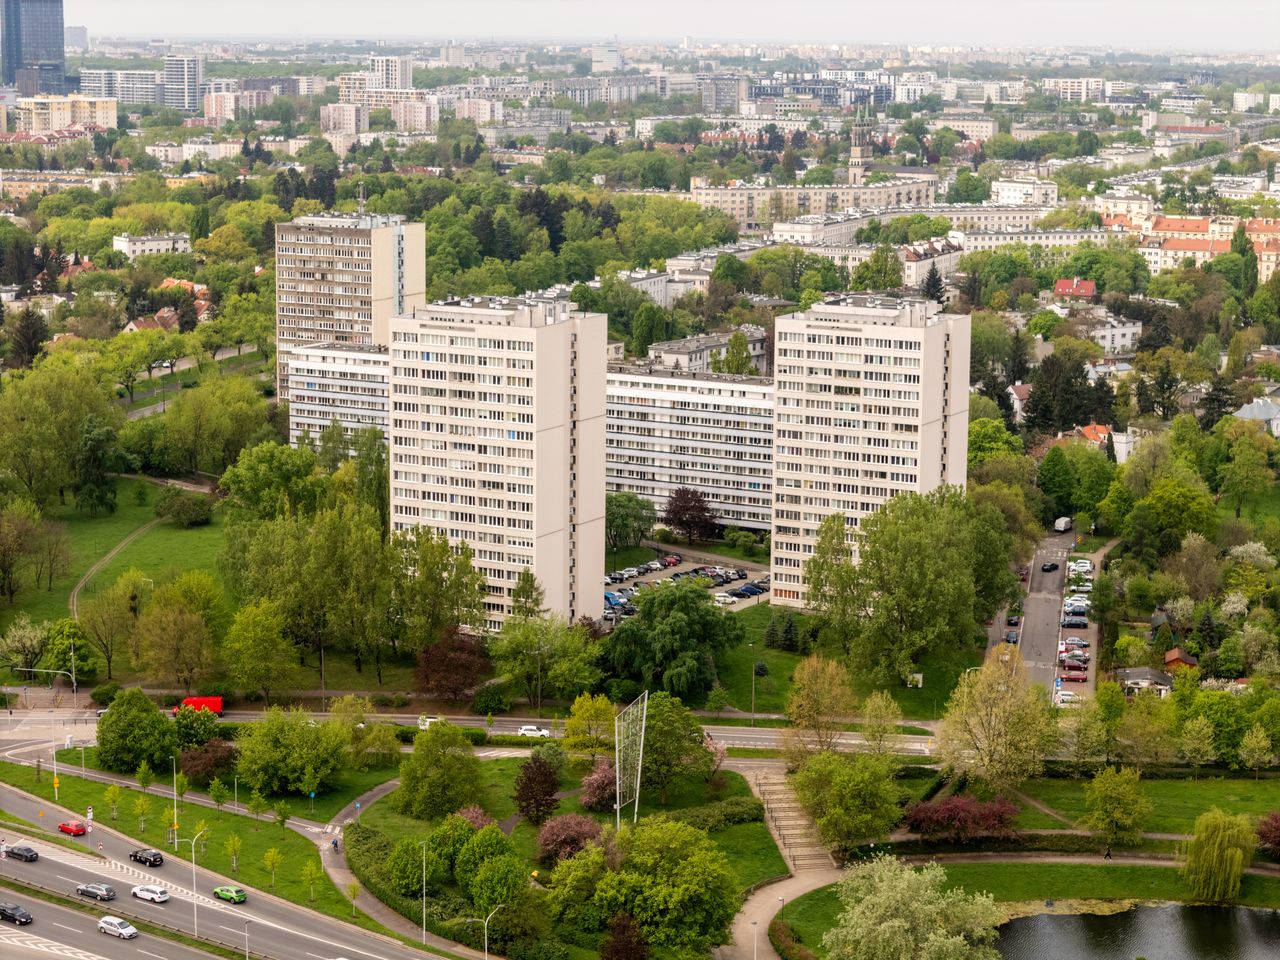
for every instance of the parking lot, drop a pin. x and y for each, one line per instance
(753, 574)
(1042, 634)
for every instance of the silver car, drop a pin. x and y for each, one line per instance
(117, 928)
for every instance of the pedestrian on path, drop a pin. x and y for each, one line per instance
(1107, 855)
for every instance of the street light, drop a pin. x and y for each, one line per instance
(782, 910)
(755, 938)
(173, 824)
(246, 939)
(485, 921)
(195, 899)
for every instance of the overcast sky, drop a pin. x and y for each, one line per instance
(1182, 24)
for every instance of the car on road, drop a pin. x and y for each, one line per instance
(529, 730)
(14, 914)
(147, 857)
(22, 852)
(1075, 677)
(74, 828)
(1048, 567)
(99, 891)
(1075, 622)
(425, 721)
(149, 891)
(724, 599)
(118, 928)
(230, 894)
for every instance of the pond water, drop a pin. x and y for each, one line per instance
(1173, 932)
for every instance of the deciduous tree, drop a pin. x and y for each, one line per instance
(1214, 861)
(821, 702)
(689, 514)
(1118, 808)
(440, 776)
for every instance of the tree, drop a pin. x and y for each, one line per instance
(27, 337)
(990, 438)
(1196, 743)
(1057, 483)
(1255, 749)
(624, 940)
(881, 271)
(997, 726)
(1118, 808)
(1145, 734)
(439, 586)
(440, 776)
(1214, 861)
(851, 798)
(689, 514)
(194, 728)
(141, 809)
(218, 793)
(174, 643)
(272, 861)
(589, 728)
(312, 873)
(674, 745)
(628, 518)
(94, 464)
(672, 640)
(452, 666)
(24, 643)
(933, 287)
(828, 577)
(894, 911)
(545, 655)
(881, 716)
(286, 751)
(256, 652)
(112, 797)
(535, 790)
(527, 596)
(820, 704)
(1246, 476)
(564, 836)
(134, 732)
(736, 357)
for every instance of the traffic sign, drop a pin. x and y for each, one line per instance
(313, 794)
(89, 816)
(55, 783)
(1057, 682)
(88, 828)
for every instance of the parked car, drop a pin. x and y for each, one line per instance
(150, 891)
(230, 894)
(74, 828)
(14, 914)
(1085, 587)
(1075, 622)
(739, 594)
(751, 590)
(739, 574)
(1079, 642)
(529, 730)
(724, 599)
(1048, 567)
(23, 852)
(1011, 636)
(631, 572)
(671, 560)
(147, 857)
(99, 891)
(117, 928)
(1072, 666)
(1013, 621)
(1075, 677)
(653, 566)
(1069, 696)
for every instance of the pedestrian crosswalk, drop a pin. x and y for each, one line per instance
(31, 941)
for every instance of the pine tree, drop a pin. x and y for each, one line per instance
(790, 639)
(933, 286)
(771, 633)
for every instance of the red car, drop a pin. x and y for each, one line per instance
(73, 827)
(1075, 677)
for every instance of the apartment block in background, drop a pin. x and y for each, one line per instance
(340, 277)
(346, 382)
(498, 439)
(871, 399)
(711, 432)
(44, 114)
(182, 78)
(33, 57)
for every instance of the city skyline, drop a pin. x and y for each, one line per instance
(989, 23)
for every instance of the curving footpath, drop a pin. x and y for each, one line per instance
(73, 600)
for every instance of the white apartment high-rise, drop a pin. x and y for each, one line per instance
(871, 399)
(391, 73)
(497, 439)
(346, 382)
(340, 277)
(182, 77)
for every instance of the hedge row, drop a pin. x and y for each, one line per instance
(784, 941)
(724, 813)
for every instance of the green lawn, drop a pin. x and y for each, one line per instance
(348, 785)
(256, 837)
(813, 914)
(148, 391)
(89, 538)
(1177, 802)
(628, 557)
(1264, 507)
(751, 852)
(719, 548)
(163, 552)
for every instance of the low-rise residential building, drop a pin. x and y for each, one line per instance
(1025, 190)
(710, 432)
(45, 114)
(346, 382)
(134, 246)
(976, 240)
(1116, 334)
(695, 354)
(756, 206)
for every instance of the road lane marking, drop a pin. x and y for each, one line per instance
(64, 926)
(148, 953)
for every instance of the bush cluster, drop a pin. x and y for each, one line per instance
(961, 818)
(725, 813)
(184, 508)
(564, 836)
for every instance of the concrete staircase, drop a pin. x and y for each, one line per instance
(792, 829)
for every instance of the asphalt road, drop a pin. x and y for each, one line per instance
(279, 930)
(1042, 619)
(63, 932)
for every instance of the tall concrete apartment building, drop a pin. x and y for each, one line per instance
(340, 277)
(182, 79)
(32, 48)
(391, 73)
(127, 86)
(346, 382)
(498, 439)
(710, 432)
(871, 399)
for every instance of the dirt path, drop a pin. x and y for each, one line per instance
(74, 599)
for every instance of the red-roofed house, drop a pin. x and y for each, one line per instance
(1177, 657)
(1075, 289)
(1019, 394)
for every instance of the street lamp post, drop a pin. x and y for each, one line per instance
(173, 824)
(485, 921)
(782, 910)
(235, 786)
(246, 939)
(755, 938)
(753, 686)
(195, 899)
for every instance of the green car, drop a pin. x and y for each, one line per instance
(230, 894)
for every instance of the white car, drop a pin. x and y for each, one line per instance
(725, 599)
(150, 891)
(425, 722)
(1069, 696)
(1085, 587)
(117, 928)
(532, 731)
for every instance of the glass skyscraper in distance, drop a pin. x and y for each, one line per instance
(32, 46)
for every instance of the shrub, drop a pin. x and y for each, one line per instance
(475, 816)
(725, 813)
(564, 836)
(440, 776)
(491, 698)
(961, 818)
(134, 731)
(554, 754)
(486, 843)
(450, 837)
(784, 941)
(1269, 832)
(625, 940)
(663, 535)
(216, 688)
(538, 950)
(599, 787)
(475, 736)
(535, 793)
(217, 758)
(185, 508)
(104, 694)
(622, 691)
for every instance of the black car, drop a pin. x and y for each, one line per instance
(739, 594)
(147, 857)
(1076, 623)
(1049, 567)
(1011, 636)
(750, 590)
(14, 914)
(1014, 620)
(23, 852)
(99, 891)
